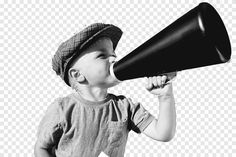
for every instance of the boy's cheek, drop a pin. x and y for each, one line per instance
(96, 77)
(99, 73)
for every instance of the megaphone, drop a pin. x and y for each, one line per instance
(198, 38)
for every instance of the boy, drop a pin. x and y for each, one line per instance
(91, 121)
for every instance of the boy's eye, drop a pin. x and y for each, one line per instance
(101, 56)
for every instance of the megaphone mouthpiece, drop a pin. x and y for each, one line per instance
(111, 70)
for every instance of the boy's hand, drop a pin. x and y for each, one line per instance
(159, 85)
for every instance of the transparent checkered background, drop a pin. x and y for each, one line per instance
(30, 33)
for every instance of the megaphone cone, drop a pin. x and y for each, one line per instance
(198, 38)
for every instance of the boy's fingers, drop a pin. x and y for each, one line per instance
(154, 81)
(158, 80)
(149, 84)
(163, 79)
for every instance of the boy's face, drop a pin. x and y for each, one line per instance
(95, 62)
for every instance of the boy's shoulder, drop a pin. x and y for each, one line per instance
(62, 102)
(117, 97)
(123, 100)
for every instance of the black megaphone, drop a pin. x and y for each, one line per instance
(198, 38)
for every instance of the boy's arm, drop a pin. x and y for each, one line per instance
(49, 131)
(163, 128)
(41, 152)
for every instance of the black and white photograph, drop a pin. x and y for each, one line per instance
(118, 78)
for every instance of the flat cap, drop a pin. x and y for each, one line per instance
(72, 48)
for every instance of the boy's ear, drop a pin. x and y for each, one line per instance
(75, 74)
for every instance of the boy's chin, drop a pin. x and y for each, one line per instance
(109, 85)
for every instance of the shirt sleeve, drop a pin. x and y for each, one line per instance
(50, 128)
(140, 118)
